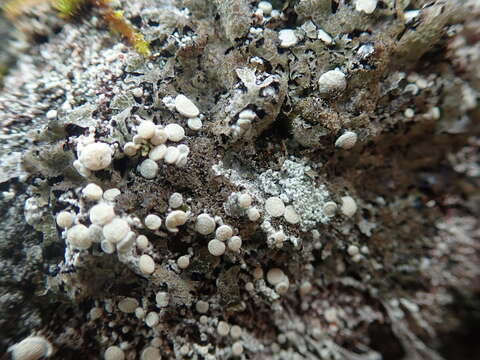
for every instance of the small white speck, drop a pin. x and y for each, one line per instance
(148, 169)
(331, 82)
(111, 194)
(275, 206)
(287, 38)
(409, 113)
(153, 222)
(216, 247)
(347, 140)
(92, 192)
(291, 215)
(158, 152)
(323, 36)
(330, 208)
(349, 206)
(186, 107)
(137, 92)
(174, 132)
(146, 129)
(367, 6)
(194, 124)
(266, 7)
(172, 155)
(51, 114)
(146, 264)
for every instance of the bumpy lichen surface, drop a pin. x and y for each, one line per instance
(322, 204)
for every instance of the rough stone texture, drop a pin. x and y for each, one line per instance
(412, 95)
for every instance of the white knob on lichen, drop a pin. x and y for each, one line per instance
(287, 38)
(244, 201)
(353, 250)
(160, 137)
(172, 154)
(224, 233)
(114, 353)
(175, 219)
(186, 107)
(216, 247)
(92, 192)
(162, 299)
(79, 237)
(235, 331)
(253, 214)
(274, 206)
(223, 329)
(202, 306)
(130, 148)
(282, 287)
(194, 124)
(128, 305)
(150, 353)
(237, 348)
(305, 288)
(332, 81)
(265, 6)
(158, 152)
(291, 215)
(153, 222)
(64, 219)
(146, 264)
(175, 200)
(101, 214)
(347, 140)
(183, 261)
(205, 224)
(146, 129)
(116, 230)
(31, 348)
(142, 242)
(330, 208)
(111, 194)
(234, 243)
(275, 276)
(367, 6)
(148, 169)
(96, 156)
(174, 132)
(349, 206)
(126, 243)
(152, 319)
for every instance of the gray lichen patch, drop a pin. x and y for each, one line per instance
(294, 186)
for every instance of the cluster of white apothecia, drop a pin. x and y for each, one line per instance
(112, 231)
(242, 203)
(275, 277)
(94, 155)
(243, 126)
(115, 232)
(224, 235)
(156, 137)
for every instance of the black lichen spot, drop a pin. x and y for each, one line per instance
(384, 341)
